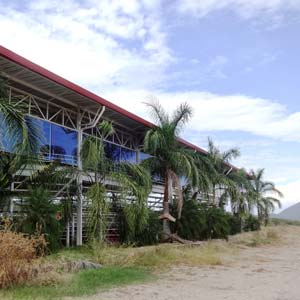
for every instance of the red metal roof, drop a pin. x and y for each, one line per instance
(14, 57)
(68, 84)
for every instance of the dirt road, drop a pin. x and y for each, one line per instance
(262, 273)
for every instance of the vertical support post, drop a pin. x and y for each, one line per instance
(79, 185)
(68, 234)
(138, 156)
(11, 202)
(73, 231)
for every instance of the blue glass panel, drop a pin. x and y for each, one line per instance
(6, 141)
(128, 155)
(112, 151)
(63, 144)
(144, 156)
(9, 142)
(45, 140)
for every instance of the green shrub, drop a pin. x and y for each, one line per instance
(192, 223)
(217, 223)
(234, 223)
(40, 212)
(201, 222)
(252, 224)
(147, 235)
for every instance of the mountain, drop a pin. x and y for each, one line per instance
(290, 213)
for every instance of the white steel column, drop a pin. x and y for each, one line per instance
(79, 185)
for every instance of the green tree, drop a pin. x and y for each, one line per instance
(133, 181)
(238, 192)
(42, 214)
(169, 159)
(265, 195)
(222, 165)
(21, 132)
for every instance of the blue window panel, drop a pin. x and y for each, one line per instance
(144, 156)
(128, 155)
(63, 144)
(45, 138)
(9, 143)
(112, 151)
(6, 141)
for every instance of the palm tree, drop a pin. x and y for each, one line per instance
(133, 184)
(265, 195)
(169, 159)
(21, 132)
(238, 191)
(221, 162)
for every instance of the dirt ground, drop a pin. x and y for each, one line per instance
(263, 273)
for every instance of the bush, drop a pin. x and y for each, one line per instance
(192, 224)
(234, 223)
(17, 253)
(147, 235)
(252, 224)
(40, 211)
(150, 234)
(201, 222)
(217, 225)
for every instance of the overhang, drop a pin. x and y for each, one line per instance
(34, 78)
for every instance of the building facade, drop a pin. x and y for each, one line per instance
(66, 113)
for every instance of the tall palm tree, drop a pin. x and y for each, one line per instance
(221, 162)
(265, 195)
(239, 193)
(169, 159)
(133, 182)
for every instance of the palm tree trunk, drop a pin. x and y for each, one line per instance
(68, 234)
(168, 193)
(214, 195)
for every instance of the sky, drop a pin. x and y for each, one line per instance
(236, 62)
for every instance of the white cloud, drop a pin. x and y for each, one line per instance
(96, 43)
(246, 9)
(222, 113)
(291, 194)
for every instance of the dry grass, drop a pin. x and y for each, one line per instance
(268, 235)
(18, 254)
(209, 253)
(128, 264)
(162, 255)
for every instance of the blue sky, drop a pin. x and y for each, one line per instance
(235, 61)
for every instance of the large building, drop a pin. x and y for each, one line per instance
(66, 112)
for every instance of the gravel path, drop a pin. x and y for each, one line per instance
(263, 273)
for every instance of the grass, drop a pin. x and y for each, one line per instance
(166, 255)
(86, 282)
(269, 235)
(128, 265)
(276, 221)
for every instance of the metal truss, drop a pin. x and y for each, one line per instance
(74, 119)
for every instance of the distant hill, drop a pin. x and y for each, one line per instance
(290, 213)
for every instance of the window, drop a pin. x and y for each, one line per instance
(118, 153)
(55, 141)
(112, 151)
(144, 156)
(128, 155)
(6, 141)
(45, 141)
(63, 144)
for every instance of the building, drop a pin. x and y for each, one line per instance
(66, 112)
